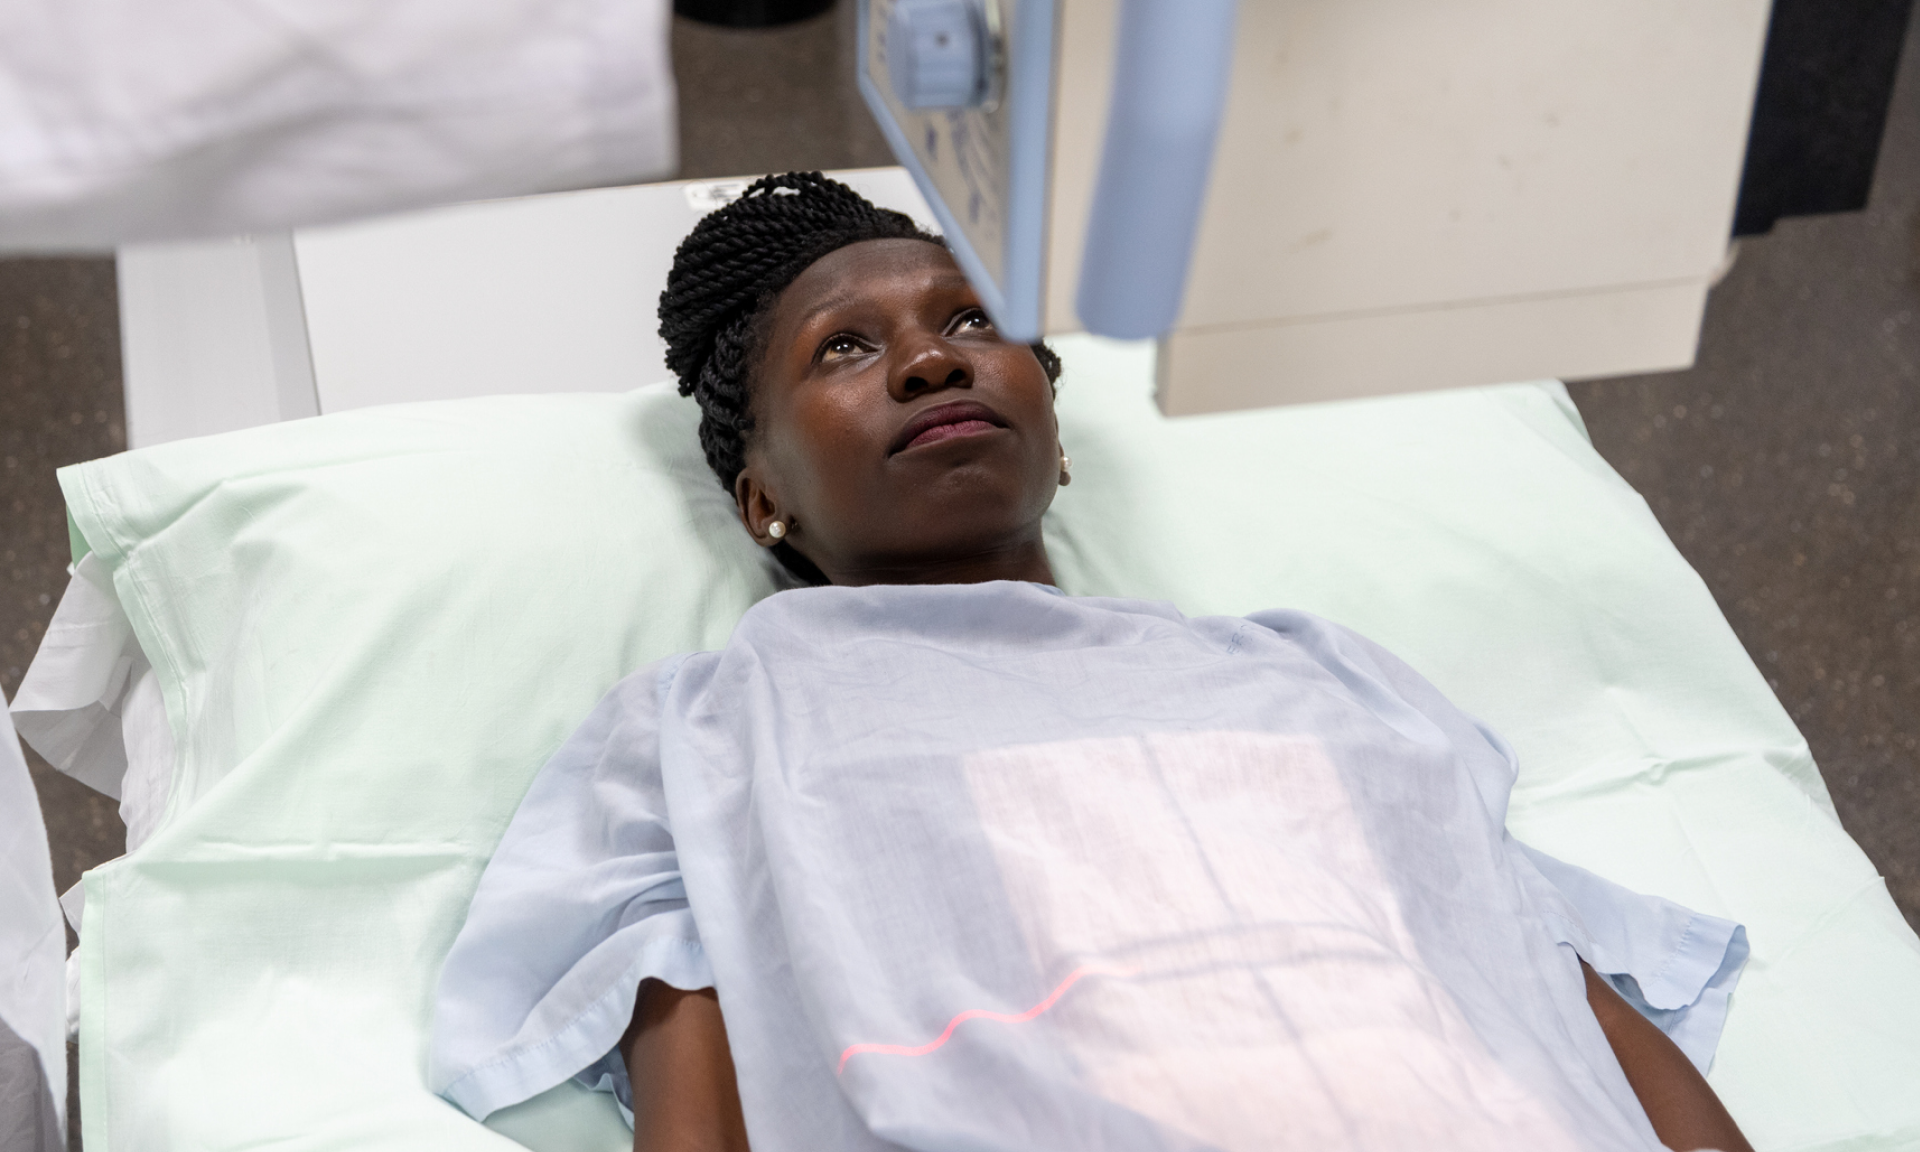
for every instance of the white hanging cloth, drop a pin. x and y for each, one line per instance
(127, 120)
(33, 1017)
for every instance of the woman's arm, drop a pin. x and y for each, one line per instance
(1686, 1114)
(685, 1096)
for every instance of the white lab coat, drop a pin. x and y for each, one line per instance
(125, 120)
(33, 1026)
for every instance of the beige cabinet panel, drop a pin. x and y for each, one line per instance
(1549, 183)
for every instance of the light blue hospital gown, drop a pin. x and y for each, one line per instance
(989, 867)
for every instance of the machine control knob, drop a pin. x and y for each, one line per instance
(938, 53)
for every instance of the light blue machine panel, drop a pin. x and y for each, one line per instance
(962, 89)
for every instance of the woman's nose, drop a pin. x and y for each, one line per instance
(928, 364)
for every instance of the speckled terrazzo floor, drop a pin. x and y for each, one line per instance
(1785, 465)
(59, 403)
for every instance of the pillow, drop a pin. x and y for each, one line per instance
(371, 629)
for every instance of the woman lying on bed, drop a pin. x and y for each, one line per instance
(934, 856)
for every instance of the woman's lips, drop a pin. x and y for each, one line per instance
(951, 431)
(948, 421)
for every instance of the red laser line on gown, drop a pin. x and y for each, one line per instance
(982, 1014)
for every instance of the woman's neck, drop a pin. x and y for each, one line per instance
(1026, 560)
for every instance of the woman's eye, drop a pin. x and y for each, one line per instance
(972, 318)
(841, 345)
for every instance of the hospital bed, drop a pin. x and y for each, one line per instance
(330, 653)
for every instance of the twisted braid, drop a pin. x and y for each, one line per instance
(726, 273)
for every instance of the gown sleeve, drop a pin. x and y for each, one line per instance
(1677, 967)
(581, 902)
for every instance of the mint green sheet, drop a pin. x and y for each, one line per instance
(372, 628)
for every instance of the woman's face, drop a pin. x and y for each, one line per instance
(898, 437)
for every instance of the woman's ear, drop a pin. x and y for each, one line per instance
(759, 509)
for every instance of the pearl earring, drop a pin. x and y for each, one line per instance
(777, 529)
(1066, 468)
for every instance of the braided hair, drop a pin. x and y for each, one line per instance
(728, 271)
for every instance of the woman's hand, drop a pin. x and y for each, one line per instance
(685, 1095)
(1686, 1114)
